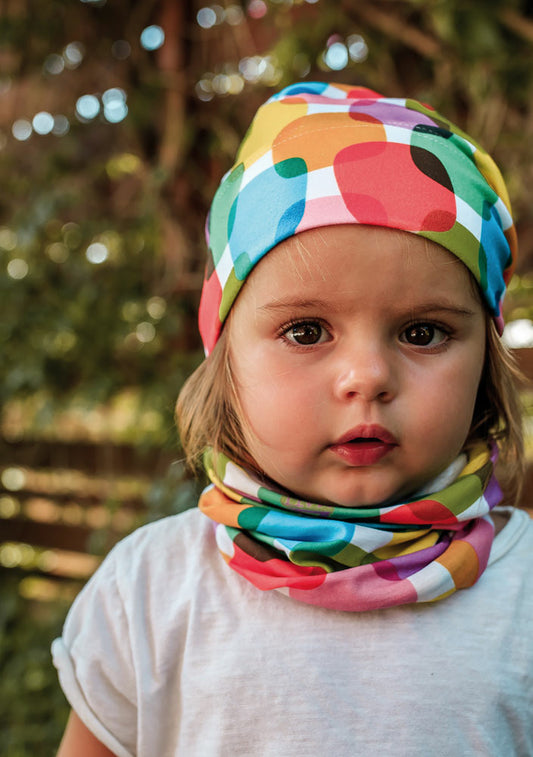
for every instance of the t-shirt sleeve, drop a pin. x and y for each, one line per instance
(95, 662)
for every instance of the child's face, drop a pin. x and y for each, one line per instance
(357, 362)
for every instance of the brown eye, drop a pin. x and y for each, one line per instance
(425, 335)
(420, 334)
(306, 333)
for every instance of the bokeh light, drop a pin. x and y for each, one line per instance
(22, 129)
(17, 269)
(73, 54)
(233, 15)
(206, 18)
(145, 332)
(54, 64)
(115, 108)
(257, 9)
(71, 235)
(13, 479)
(8, 239)
(61, 126)
(336, 56)
(357, 48)
(221, 84)
(87, 107)
(156, 307)
(97, 253)
(204, 89)
(58, 252)
(9, 507)
(43, 122)
(152, 37)
(519, 334)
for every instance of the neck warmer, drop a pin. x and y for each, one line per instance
(356, 559)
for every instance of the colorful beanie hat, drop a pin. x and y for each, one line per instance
(319, 154)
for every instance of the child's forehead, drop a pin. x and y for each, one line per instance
(347, 260)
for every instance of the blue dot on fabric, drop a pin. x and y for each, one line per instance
(314, 87)
(266, 211)
(494, 255)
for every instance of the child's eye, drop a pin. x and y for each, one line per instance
(424, 335)
(305, 333)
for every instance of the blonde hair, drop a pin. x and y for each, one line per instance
(208, 412)
(498, 413)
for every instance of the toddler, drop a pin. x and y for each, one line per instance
(350, 583)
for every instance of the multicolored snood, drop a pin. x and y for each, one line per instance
(356, 559)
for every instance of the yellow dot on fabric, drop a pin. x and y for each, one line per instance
(461, 560)
(270, 119)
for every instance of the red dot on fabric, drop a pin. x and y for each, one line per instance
(386, 171)
(422, 511)
(208, 315)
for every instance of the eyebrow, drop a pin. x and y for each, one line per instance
(299, 303)
(443, 306)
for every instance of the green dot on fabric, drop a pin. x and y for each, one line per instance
(290, 168)
(242, 265)
(251, 518)
(230, 292)
(219, 227)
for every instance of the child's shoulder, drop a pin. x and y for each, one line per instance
(188, 525)
(515, 535)
(169, 544)
(160, 560)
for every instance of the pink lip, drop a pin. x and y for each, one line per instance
(364, 445)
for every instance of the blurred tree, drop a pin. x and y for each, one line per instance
(118, 119)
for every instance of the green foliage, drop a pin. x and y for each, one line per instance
(33, 710)
(173, 493)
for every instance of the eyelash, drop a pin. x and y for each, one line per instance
(287, 327)
(435, 327)
(285, 330)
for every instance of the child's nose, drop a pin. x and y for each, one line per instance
(367, 373)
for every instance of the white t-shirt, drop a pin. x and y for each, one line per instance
(167, 651)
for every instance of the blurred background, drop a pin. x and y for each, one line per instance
(117, 120)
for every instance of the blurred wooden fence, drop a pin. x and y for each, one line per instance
(63, 505)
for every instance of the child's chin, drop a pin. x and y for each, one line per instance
(379, 496)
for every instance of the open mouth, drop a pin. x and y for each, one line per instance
(364, 446)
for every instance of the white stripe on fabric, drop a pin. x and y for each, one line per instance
(432, 581)
(468, 217)
(335, 93)
(258, 167)
(224, 266)
(370, 539)
(322, 183)
(477, 509)
(224, 542)
(503, 212)
(398, 134)
(315, 108)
